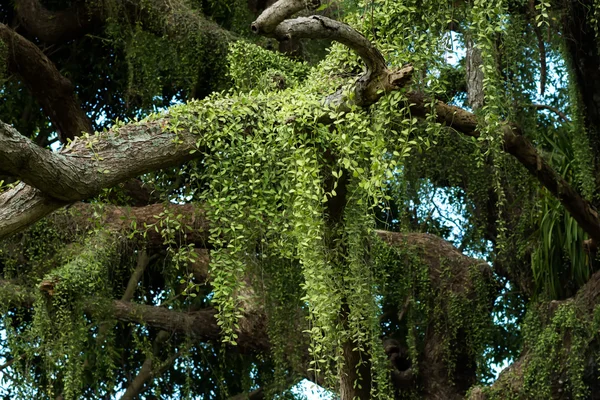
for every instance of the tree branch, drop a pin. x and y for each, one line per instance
(268, 20)
(375, 81)
(142, 262)
(55, 26)
(22, 206)
(200, 324)
(555, 110)
(147, 371)
(84, 168)
(319, 27)
(516, 144)
(54, 92)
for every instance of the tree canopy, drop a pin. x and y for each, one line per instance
(217, 199)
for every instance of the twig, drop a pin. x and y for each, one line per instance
(555, 110)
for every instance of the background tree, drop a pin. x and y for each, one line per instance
(267, 194)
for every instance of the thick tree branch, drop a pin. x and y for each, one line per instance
(375, 82)
(22, 206)
(522, 149)
(54, 92)
(55, 26)
(120, 219)
(180, 18)
(268, 20)
(200, 325)
(84, 168)
(319, 27)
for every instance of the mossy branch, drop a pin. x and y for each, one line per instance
(377, 79)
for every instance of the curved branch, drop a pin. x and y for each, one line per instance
(555, 110)
(53, 92)
(268, 20)
(375, 81)
(319, 27)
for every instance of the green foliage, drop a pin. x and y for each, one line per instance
(59, 334)
(254, 68)
(291, 189)
(428, 301)
(561, 340)
(560, 255)
(248, 151)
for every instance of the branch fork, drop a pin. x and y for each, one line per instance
(377, 79)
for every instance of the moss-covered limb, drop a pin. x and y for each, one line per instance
(189, 220)
(15, 295)
(86, 271)
(55, 26)
(561, 350)
(200, 325)
(516, 144)
(443, 300)
(182, 21)
(54, 92)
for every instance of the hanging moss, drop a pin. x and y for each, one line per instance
(560, 348)
(434, 296)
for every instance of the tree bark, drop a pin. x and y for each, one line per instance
(54, 92)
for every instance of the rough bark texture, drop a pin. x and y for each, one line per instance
(473, 63)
